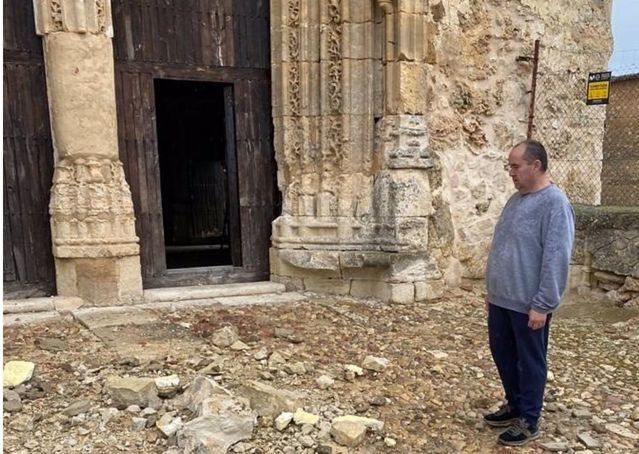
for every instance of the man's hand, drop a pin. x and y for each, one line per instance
(536, 320)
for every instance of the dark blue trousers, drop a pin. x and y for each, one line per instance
(520, 356)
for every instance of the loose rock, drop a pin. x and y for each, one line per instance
(375, 364)
(301, 417)
(348, 433)
(224, 337)
(17, 372)
(125, 391)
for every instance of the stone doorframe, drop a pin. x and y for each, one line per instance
(95, 248)
(359, 183)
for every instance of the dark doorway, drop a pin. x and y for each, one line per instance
(198, 173)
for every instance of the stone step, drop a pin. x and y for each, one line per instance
(18, 319)
(101, 317)
(53, 303)
(27, 305)
(202, 292)
(239, 300)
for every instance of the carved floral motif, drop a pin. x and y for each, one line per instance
(91, 204)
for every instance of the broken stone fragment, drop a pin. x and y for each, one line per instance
(201, 388)
(50, 344)
(373, 424)
(225, 337)
(209, 434)
(554, 446)
(261, 354)
(375, 364)
(283, 420)
(167, 386)
(238, 345)
(324, 382)
(295, 368)
(276, 358)
(348, 433)
(589, 441)
(125, 391)
(622, 431)
(77, 407)
(351, 371)
(390, 442)
(138, 424)
(169, 424)
(12, 406)
(269, 401)
(17, 372)
(285, 333)
(301, 417)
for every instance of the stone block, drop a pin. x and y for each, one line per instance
(291, 283)
(578, 278)
(367, 274)
(104, 281)
(331, 286)
(402, 293)
(97, 281)
(312, 260)
(365, 259)
(371, 289)
(411, 40)
(358, 39)
(413, 88)
(402, 193)
(429, 290)
(412, 268)
(284, 268)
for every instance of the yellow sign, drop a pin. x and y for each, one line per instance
(598, 88)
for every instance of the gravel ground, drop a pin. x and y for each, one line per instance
(431, 397)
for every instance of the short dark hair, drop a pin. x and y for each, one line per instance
(535, 151)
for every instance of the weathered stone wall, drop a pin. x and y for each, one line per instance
(392, 124)
(620, 172)
(606, 254)
(479, 96)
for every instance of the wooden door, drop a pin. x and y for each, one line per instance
(28, 159)
(223, 41)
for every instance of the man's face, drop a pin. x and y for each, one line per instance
(523, 173)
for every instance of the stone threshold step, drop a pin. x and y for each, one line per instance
(52, 303)
(202, 292)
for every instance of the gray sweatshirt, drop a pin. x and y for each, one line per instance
(531, 250)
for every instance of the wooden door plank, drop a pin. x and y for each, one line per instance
(232, 177)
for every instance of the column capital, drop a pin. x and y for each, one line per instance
(75, 16)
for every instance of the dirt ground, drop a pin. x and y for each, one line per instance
(440, 381)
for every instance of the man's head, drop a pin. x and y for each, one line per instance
(527, 165)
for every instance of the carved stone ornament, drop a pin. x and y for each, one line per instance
(76, 16)
(91, 209)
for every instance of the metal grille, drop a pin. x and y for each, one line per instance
(593, 149)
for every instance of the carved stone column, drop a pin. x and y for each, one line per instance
(95, 247)
(352, 149)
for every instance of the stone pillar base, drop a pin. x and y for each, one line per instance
(386, 276)
(102, 281)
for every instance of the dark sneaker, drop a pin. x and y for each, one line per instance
(503, 417)
(520, 433)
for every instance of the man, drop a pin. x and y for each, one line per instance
(525, 277)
